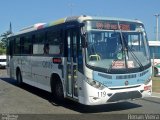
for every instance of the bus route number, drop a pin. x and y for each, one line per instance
(102, 94)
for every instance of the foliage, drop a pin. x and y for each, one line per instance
(3, 42)
(2, 51)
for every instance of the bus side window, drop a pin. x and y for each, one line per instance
(38, 43)
(54, 40)
(17, 47)
(46, 48)
(26, 45)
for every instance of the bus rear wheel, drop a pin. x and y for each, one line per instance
(19, 78)
(57, 91)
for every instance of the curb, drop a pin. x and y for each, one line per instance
(154, 94)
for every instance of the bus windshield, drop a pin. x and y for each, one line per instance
(116, 45)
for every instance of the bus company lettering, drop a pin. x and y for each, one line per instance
(105, 76)
(47, 64)
(107, 82)
(140, 80)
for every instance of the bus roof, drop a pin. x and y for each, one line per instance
(79, 19)
(154, 43)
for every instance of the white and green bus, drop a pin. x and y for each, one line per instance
(91, 60)
(155, 56)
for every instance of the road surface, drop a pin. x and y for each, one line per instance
(30, 100)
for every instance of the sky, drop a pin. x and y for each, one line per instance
(23, 13)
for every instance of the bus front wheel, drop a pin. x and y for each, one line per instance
(155, 72)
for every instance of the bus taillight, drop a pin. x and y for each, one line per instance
(57, 60)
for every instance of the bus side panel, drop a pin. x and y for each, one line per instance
(15, 62)
(42, 70)
(26, 68)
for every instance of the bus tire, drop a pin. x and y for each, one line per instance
(19, 77)
(57, 90)
(155, 72)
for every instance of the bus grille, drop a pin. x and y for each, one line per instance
(118, 88)
(125, 96)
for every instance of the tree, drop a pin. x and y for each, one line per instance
(2, 51)
(3, 42)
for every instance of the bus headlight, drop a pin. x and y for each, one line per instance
(95, 84)
(147, 81)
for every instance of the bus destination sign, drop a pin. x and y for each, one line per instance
(110, 25)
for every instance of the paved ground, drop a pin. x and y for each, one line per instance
(30, 100)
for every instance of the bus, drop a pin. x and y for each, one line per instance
(155, 56)
(87, 59)
(3, 61)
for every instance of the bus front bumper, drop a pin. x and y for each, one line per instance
(94, 96)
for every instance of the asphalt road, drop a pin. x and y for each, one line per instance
(30, 100)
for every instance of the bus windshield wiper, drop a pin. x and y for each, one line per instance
(134, 56)
(123, 49)
(126, 48)
(123, 46)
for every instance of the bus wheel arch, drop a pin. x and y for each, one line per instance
(19, 76)
(57, 87)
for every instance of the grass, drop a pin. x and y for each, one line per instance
(156, 84)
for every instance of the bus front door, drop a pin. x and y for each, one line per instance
(71, 63)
